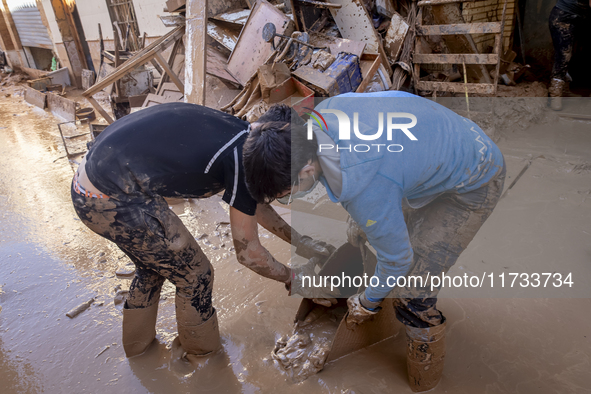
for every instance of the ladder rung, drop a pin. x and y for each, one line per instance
(457, 87)
(444, 58)
(438, 2)
(462, 28)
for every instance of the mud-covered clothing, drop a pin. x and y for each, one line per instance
(563, 24)
(159, 245)
(575, 7)
(451, 156)
(172, 150)
(439, 232)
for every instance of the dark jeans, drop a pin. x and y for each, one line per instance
(562, 29)
(159, 245)
(439, 232)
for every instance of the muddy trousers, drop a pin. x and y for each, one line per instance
(159, 245)
(439, 232)
(562, 29)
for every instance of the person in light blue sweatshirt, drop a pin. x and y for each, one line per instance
(418, 181)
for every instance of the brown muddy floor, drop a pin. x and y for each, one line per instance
(50, 263)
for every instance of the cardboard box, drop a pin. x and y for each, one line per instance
(295, 94)
(348, 259)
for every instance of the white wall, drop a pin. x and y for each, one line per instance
(54, 31)
(147, 12)
(93, 12)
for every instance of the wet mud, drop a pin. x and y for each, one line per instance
(50, 263)
(304, 353)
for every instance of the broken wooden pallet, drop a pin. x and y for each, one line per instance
(151, 52)
(494, 58)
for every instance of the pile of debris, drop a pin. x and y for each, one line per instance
(294, 50)
(287, 52)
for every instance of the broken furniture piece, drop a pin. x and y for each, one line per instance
(151, 52)
(251, 50)
(395, 37)
(493, 59)
(35, 97)
(355, 23)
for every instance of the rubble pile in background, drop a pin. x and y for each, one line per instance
(290, 51)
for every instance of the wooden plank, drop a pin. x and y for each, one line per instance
(137, 101)
(226, 37)
(174, 5)
(40, 84)
(251, 50)
(154, 99)
(141, 58)
(173, 77)
(446, 58)
(237, 17)
(462, 28)
(499, 46)
(171, 60)
(35, 97)
(195, 52)
(457, 87)
(355, 23)
(171, 92)
(439, 2)
(216, 66)
(87, 79)
(366, 78)
(348, 46)
(395, 37)
(61, 106)
(100, 109)
(320, 4)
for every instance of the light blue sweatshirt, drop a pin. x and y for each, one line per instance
(450, 154)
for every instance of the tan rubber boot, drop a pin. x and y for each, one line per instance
(197, 337)
(555, 93)
(139, 329)
(425, 356)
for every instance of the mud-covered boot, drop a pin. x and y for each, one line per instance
(424, 356)
(139, 329)
(555, 93)
(197, 337)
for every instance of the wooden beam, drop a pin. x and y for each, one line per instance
(157, 67)
(195, 51)
(173, 77)
(461, 28)
(457, 87)
(141, 58)
(100, 109)
(438, 2)
(320, 4)
(444, 58)
(366, 78)
(171, 58)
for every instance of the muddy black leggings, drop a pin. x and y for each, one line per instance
(439, 232)
(159, 245)
(562, 29)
